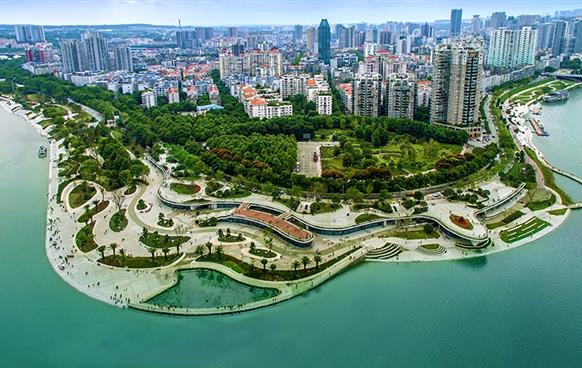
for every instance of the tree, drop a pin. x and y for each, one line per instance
(428, 228)
(296, 265)
(272, 267)
(113, 246)
(253, 247)
(209, 246)
(122, 252)
(305, 261)
(199, 250)
(166, 250)
(317, 259)
(268, 238)
(101, 250)
(264, 263)
(118, 199)
(152, 252)
(219, 252)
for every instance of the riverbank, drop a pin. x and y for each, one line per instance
(133, 288)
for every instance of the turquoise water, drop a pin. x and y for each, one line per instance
(519, 308)
(203, 288)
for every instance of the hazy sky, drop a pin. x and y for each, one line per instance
(234, 12)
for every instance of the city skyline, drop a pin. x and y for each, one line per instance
(265, 12)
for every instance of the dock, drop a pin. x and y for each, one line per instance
(538, 127)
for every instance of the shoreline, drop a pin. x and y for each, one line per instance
(54, 255)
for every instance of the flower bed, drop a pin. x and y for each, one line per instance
(462, 222)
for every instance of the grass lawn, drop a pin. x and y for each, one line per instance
(548, 177)
(291, 202)
(156, 240)
(139, 262)
(365, 217)
(87, 215)
(415, 234)
(509, 218)
(537, 205)
(81, 194)
(323, 207)
(84, 239)
(185, 189)
(403, 155)
(559, 212)
(118, 222)
(265, 253)
(430, 246)
(524, 230)
(130, 190)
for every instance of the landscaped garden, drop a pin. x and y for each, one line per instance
(141, 205)
(524, 230)
(227, 237)
(85, 239)
(323, 207)
(90, 212)
(506, 220)
(157, 240)
(81, 194)
(365, 217)
(119, 260)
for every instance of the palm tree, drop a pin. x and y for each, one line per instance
(305, 261)
(178, 247)
(166, 251)
(272, 267)
(317, 259)
(122, 252)
(264, 263)
(253, 247)
(219, 252)
(113, 246)
(152, 252)
(87, 214)
(209, 246)
(101, 250)
(199, 250)
(92, 213)
(296, 264)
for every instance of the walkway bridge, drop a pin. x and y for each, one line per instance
(575, 206)
(576, 77)
(492, 207)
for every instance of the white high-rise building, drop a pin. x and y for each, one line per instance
(173, 95)
(323, 102)
(401, 95)
(73, 56)
(148, 99)
(367, 94)
(456, 87)
(510, 48)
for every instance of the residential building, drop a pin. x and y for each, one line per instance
(456, 87)
(148, 99)
(400, 98)
(423, 91)
(367, 94)
(263, 103)
(73, 56)
(324, 41)
(122, 58)
(97, 52)
(252, 63)
(40, 53)
(510, 48)
(173, 95)
(345, 91)
(29, 33)
(298, 32)
(314, 88)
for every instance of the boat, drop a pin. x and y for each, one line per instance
(556, 96)
(42, 152)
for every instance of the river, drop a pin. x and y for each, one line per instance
(518, 308)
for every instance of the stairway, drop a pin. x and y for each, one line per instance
(386, 252)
